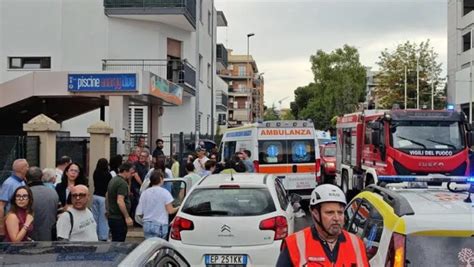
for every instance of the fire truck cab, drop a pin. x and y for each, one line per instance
(416, 143)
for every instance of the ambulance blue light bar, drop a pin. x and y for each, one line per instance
(433, 178)
(450, 107)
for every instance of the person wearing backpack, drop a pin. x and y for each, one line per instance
(77, 222)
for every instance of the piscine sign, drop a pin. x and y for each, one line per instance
(110, 82)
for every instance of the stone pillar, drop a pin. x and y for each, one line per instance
(118, 120)
(46, 129)
(99, 146)
(156, 111)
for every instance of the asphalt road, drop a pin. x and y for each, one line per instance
(303, 222)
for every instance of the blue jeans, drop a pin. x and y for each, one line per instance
(98, 210)
(153, 229)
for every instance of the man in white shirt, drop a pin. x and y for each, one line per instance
(200, 161)
(77, 223)
(61, 164)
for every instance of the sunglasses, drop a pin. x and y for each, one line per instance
(22, 197)
(80, 195)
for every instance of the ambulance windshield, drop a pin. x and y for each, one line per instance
(431, 135)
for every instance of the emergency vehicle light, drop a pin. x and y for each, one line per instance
(450, 107)
(441, 178)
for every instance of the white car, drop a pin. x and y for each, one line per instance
(238, 219)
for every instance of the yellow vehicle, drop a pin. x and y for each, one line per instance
(413, 224)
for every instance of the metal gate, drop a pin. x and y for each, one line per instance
(15, 147)
(77, 148)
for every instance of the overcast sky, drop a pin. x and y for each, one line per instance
(287, 32)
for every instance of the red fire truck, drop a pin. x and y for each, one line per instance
(417, 143)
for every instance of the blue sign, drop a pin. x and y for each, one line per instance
(239, 134)
(110, 82)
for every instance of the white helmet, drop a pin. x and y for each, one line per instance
(327, 193)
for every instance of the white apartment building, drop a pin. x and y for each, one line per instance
(460, 52)
(169, 41)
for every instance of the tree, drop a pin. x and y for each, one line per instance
(270, 114)
(286, 114)
(390, 87)
(339, 85)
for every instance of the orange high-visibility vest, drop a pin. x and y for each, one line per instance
(304, 250)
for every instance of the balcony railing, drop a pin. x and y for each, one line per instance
(176, 71)
(153, 7)
(221, 55)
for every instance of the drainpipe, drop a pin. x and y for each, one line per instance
(196, 102)
(213, 47)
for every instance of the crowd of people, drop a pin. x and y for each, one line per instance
(57, 204)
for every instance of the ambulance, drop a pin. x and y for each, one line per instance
(288, 149)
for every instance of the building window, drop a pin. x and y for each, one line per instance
(468, 6)
(29, 63)
(209, 75)
(466, 40)
(209, 24)
(230, 67)
(241, 70)
(200, 67)
(222, 119)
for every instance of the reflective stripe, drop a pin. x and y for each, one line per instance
(356, 245)
(301, 244)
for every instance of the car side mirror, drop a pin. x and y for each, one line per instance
(376, 126)
(468, 127)
(376, 138)
(470, 139)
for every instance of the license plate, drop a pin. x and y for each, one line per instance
(226, 259)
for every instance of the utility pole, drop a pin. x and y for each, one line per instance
(417, 82)
(248, 72)
(470, 79)
(406, 86)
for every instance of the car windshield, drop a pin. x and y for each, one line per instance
(64, 254)
(426, 135)
(329, 151)
(229, 202)
(439, 251)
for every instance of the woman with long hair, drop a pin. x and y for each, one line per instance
(73, 175)
(102, 178)
(19, 220)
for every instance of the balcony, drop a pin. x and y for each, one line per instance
(179, 72)
(177, 13)
(221, 101)
(221, 57)
(240, 92)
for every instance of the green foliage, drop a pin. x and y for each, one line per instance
(391, 79)
(286, 115)
(339, 85)
(270, 114)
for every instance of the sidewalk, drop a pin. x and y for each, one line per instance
(135, 234)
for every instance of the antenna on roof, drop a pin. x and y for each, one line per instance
(231, 175)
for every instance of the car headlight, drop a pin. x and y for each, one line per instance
(330, 164)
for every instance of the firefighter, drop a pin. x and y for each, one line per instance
(325, 243)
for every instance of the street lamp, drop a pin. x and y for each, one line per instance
(248, 76)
